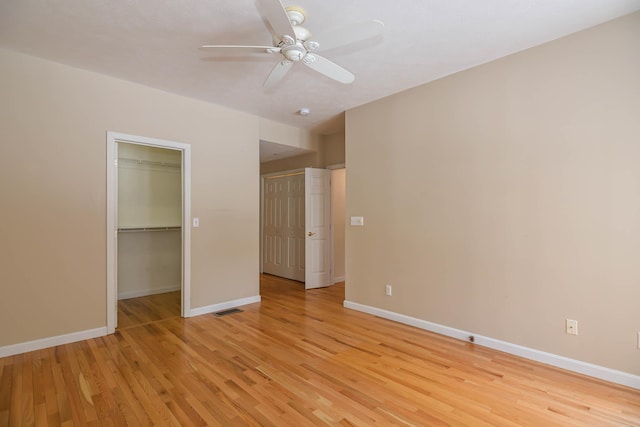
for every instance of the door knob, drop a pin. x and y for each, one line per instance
(310, 234)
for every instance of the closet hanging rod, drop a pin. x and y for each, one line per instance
(285, 175)
(149, 163)
(140, 229)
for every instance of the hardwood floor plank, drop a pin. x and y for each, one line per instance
(28, 408)
(298, 358)
(6, 382)
(39, 389)
(15, 408)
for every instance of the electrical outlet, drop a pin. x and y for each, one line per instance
(388, 290)
(638, 340)
(572, 327)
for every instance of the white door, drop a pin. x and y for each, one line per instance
(318, 225)
(273, 224)
(293, 266)
(283, 226)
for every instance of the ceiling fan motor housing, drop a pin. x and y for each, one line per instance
(301, 34)
(294, 52)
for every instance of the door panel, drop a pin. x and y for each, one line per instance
(284, 226)
(295, 228)
(273, 227)
(318, 226)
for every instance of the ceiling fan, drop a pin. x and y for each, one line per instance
(296, 44)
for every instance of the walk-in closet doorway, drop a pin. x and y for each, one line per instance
(148, 219)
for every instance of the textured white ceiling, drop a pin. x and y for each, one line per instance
(156, 43)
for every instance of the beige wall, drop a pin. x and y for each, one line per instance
(338, 221)
(288, 135)
(504, 199)
(308, 160)
(333, 149)
(329, 151)
(54, 121)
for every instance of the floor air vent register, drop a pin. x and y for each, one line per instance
(227, 312)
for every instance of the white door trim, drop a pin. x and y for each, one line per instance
(112, 218)
(261, 223)
(336, 166)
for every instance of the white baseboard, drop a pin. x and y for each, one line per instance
(573, 365)
(25, 347)
(223, 306)
(338, 279)
(147, 292)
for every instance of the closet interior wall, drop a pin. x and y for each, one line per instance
(149, 220)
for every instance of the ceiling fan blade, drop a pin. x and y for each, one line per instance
(328, 68)
(349, 34)
(265, 49)
(273, 11)
(241, 49)
(277, 73)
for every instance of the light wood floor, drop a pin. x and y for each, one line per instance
(295, 359)
(140, 311)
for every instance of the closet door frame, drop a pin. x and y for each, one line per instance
(112, 220)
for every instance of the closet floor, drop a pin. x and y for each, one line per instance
(149, 309)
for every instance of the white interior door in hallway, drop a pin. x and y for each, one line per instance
(297, 227)
(318, 258)
(284, 226)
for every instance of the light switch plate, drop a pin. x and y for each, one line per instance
(196, 222)
(357, 220)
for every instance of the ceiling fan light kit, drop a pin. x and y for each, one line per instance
(295, 43)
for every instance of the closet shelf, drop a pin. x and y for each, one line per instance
(140, 229)
(125, 160)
